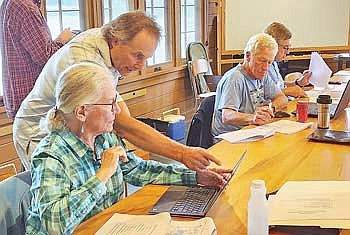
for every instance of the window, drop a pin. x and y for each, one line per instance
(62, 14)
(113, 8)
(190, 23)
(160, 10)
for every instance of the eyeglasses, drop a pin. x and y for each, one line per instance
(113, 104)
(284, 47)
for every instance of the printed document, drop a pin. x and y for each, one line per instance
(321, 73)
(287, 126)
(160, 224)
(247, 135)
(311, 203)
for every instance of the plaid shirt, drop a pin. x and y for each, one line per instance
(26, 45)
(66, 191)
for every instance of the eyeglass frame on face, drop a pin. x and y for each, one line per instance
(113, 104)
(285, 47)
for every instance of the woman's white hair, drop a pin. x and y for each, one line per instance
(79, 84)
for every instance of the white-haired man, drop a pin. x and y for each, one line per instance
(244, 89)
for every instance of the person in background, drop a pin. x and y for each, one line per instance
(122, 46)
(283, 36)
(26, 45)
(243, 90)
(80, 167)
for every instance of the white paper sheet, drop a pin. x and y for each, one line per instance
(311, 203)
(122, 224)
(287, 126)
(160, 224)
(321, 73)
(247, 135)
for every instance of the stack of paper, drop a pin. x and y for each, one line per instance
(311, 203)
(160, 224)
(321, 73)
(247, 135)
(287, 126)
(262, 132)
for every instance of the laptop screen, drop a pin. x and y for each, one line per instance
(344, 100)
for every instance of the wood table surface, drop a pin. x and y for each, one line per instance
(277, 159)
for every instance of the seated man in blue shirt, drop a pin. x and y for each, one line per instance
(80, 167)
(243, 89)
(283, 36)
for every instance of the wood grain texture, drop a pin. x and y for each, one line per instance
(277, 159)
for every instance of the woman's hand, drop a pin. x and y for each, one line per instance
(305, 79)
(213, 176)
(109, 162)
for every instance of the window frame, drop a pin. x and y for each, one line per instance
(92, 12)
(83, 12)
(203, 28)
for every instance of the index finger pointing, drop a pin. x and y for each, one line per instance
(212, 158)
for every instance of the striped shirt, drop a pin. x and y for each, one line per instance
(26, 45)
(66, 190)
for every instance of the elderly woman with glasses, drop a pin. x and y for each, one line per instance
(283, 36)
(79, 169)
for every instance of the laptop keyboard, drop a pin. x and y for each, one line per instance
(194, 201)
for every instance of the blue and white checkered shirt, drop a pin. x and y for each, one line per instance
(66, 190)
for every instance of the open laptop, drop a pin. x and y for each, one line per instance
(191, 201)
(335, 109)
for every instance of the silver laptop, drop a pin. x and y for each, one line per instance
(191, 201)
(335, 109)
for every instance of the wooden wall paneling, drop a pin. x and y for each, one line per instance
(7, 152)
(5, 139)
(212, 31)
(125, 86)
(6, 168)
(165, 100)
(165, 91)
(159, 90)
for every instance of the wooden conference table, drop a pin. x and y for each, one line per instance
(277, 159)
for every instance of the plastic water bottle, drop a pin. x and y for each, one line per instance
(257, 209)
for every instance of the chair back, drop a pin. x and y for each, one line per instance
(198, 66)
(15, 198)
(199, 134)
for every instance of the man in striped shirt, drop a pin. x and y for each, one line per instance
(26, 45)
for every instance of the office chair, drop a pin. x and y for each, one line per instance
(15, 200)
(198, 67)
(199, 133)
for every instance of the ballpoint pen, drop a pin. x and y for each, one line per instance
(127, 151)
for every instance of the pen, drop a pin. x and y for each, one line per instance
(127, 151)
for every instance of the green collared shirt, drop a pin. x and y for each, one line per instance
(65, 188)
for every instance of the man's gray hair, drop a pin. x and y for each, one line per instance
(261, 41)
(126, 26)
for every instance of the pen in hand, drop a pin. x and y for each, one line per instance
(127, 151)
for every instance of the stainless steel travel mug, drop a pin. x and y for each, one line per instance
(323, 107)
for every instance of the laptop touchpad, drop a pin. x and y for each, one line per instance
(169, 199)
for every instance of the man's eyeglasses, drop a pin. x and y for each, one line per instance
(113, 104)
